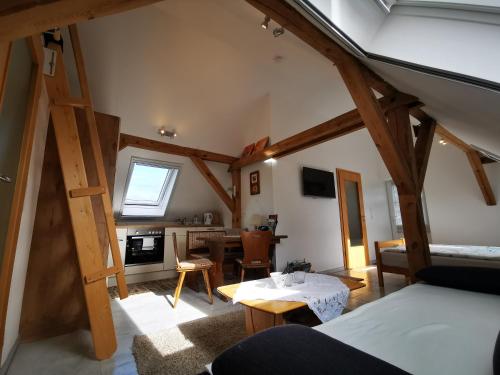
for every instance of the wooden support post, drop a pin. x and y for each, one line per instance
(481, 177)
(395, 144)
(236, 177)
(423, 147)
(213, 182)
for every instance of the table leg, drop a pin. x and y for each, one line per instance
(256, 320)
(217, 257)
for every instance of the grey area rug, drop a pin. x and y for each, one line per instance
(189, 347)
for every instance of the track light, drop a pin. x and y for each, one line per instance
(279, 31)
(265, 23)
(443, 142)
(166, 133)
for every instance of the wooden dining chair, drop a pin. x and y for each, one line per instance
(191, 265)
(255, 251)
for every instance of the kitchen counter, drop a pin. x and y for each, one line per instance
(162, 224)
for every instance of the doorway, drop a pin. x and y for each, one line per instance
(352, 219)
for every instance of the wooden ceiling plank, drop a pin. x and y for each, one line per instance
(213, 182)
(127, 140)
(23, 18)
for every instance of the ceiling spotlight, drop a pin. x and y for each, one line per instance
(167, 133)
(265, 23)
(279, 31)
(443, 142)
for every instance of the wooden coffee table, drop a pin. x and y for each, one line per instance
(262, 314)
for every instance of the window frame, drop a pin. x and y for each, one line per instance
(397, 230)
(134, 160)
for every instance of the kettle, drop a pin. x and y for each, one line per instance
(208, 217)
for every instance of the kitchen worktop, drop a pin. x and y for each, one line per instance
(162, 224)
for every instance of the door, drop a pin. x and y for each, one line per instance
(12, 123)
(352, 219)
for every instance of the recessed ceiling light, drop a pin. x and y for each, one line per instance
(443, 142)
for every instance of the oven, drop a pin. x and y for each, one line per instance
(144, 246)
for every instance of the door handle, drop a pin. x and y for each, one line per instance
(5, 179)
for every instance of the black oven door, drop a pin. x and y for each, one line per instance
(144, 249)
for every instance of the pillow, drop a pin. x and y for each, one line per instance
(496, 357)
(295, 349)
(476, 279)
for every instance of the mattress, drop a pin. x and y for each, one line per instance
(425, 329)
(456, 251)
(399, 259)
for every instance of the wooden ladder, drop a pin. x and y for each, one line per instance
(92, 267)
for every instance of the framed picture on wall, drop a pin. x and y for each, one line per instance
(254, 183)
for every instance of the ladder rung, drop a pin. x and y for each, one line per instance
(102, 274)
(72, 102)
(85, 192)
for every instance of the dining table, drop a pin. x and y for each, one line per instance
(218, 248)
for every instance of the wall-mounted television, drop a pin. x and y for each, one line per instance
(318, 183)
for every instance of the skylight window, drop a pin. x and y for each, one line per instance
(149, 188)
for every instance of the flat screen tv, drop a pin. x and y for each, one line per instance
(318, 183)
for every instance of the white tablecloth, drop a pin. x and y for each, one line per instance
(325, 295)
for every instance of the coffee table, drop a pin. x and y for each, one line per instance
(262, 314)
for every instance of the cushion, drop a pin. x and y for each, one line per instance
(496, 357)
(194, 264)
(476, 279)
(295, 349)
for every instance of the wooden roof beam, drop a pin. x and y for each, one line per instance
(22, 18)
(168, 148)
(341, 125)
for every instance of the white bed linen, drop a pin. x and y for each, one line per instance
(425, 329)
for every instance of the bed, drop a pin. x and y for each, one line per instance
(391, 257)
(421, 329)
(425, 329)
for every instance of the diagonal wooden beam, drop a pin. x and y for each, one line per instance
(213, 182)
(127, 140)
(481, 177)
(21, 18)
(423, 147)
(341, 125)
(398, 120)
(374, 119)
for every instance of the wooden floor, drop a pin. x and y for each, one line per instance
(372, 291)
(357, 298)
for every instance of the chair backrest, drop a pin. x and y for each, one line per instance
(256, 246)
(195, 240)
(176, 250)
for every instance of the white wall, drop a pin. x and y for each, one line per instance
(313, 224)
(458, 213)
(26, 229)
